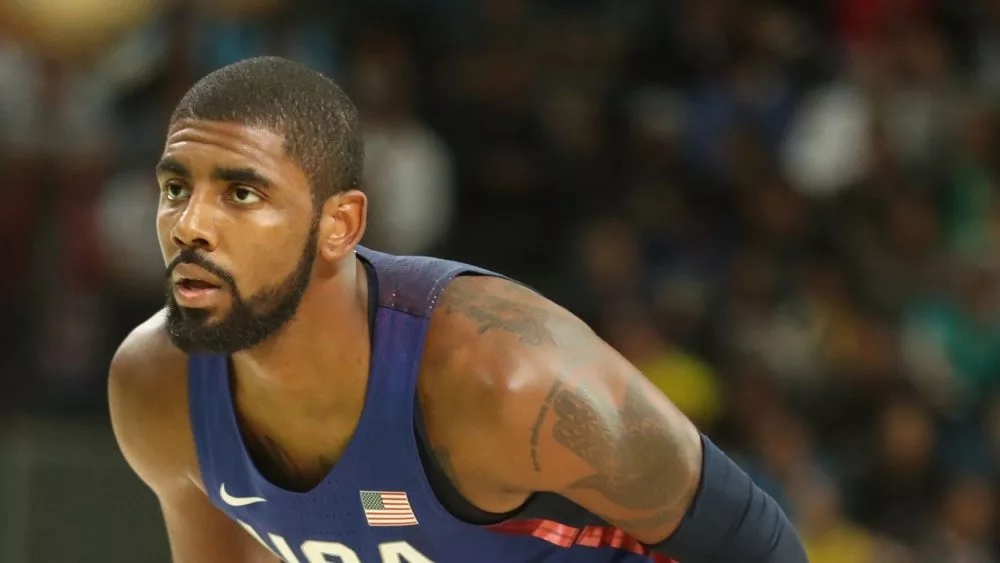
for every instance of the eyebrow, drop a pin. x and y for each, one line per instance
(241, 175)
(171, 166)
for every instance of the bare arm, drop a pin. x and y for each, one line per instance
(564, 413)
(553, 408)
(640, 458)
(147, 393)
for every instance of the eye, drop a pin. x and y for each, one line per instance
(244, 195)
(175, 191)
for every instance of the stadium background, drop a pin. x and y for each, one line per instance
(785, 213)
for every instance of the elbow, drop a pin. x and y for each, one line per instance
(731, 520)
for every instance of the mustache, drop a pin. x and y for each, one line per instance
(189, 256)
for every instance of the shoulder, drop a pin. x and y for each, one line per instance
(147, 395)
(147, 346)
(497, 355)
(490, 338)
(148, 370)
(521, 397)
(474, 306)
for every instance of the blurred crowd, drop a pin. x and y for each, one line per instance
(787, 214)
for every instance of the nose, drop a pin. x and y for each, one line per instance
(195, 228)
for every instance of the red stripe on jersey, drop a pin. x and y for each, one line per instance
(568, 536)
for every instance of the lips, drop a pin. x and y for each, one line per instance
(190, 276)
(191, 283)
(194, 287)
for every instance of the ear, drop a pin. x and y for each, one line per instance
(342, 224)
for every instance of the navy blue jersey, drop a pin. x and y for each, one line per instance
(376, 504)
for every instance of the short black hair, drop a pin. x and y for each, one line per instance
(319, 121)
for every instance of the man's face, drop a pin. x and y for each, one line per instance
(238, 232)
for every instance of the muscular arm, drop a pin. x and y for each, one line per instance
(563, 412)
(641, 459)
(148, 402)
(567, 413)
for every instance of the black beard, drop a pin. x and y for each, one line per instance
(249, 321)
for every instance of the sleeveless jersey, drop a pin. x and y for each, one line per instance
(376, 505)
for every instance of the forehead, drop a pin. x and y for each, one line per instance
(203, 146)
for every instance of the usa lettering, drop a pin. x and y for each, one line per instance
(315, 551)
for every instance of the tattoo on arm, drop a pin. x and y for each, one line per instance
(537, 427)
(495, 312)
(634, 463)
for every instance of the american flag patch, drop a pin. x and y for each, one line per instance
(385, 508)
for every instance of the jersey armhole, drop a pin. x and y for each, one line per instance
(544, 506)
(442, 487)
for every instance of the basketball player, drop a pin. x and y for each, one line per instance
(304, 398)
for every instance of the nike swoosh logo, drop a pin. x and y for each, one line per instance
(237, 501)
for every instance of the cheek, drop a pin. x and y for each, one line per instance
(279, 260)
(268, 260)
(164, 227)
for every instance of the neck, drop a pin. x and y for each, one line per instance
(320, 359)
